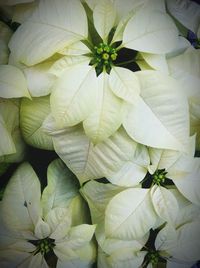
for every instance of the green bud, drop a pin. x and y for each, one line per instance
(114, 56)
(99, 50)
(105, 56)
(107, 49)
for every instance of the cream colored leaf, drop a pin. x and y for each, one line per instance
(157, 62)
(72, 99)
(150, 31)
(165, 203)
(186, 178)
(15, 87)
(104, 15)
(86, 160)
(124, 216)
(47, 32)
(61, 187)
(107, 115)
(163, 111)
(42, 229)
(59, 221)
(124, 84)
(98, 196)
(39, 81)
(32, 114)
(66, 63)
(21, 201)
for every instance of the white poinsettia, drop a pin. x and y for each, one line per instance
(168, 244)
(111, 158)
(112, 251)
(180, 244)
(12, 147)
(103, 108)
(185, 68)
(36, 225)
(121, 213)
(182, 168)
(112, 86)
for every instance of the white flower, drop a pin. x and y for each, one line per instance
(115, 91)
(117, 250)
(182, 168)
(37, 225)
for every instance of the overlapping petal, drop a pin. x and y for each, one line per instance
(46, 31)
(161, 111)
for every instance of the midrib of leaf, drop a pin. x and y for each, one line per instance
(130, 215)
(77, 91)
(54, 26)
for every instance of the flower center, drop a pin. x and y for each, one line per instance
(45, 245)
(159, 176)
(103, 57)
(153, 257)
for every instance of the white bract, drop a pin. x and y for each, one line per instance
(32, 114)
(119, 212)
(43, 34)
(185, 68)
(106, 159)
(170, 243)
(180, 244)
(12, 147)
(15, 87)
(182, 168)
(35, 225)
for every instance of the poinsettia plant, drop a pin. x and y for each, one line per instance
(100, 133)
